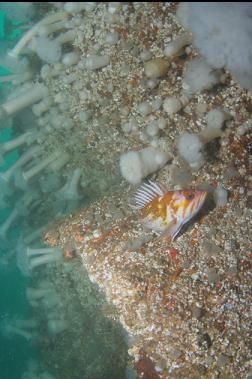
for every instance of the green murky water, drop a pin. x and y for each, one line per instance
(15, 351)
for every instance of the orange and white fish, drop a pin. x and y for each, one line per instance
(165, 212)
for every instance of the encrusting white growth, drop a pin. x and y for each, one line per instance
(56, 326)
(152, 129)
(151, 83)
(36, 293)
(8, 330)
(31, 252)
(43, 295)
(174, 47)
(156, 104)
(215, 120)
(222, 34)
(156, 68)
(19, 141)
(5, 177)
(16, 326)
(65, 37)
(43, 106)
(183, 14)
(51, 300)
(34, 236)
(56, 120)
(85, 115)
(49, 183)
(22, 323)
(70, 189)
(17, 79)
(144, 108)
(201, 109)
(173, 104)
(25, 204)
(46, 71)
(27, 37)
(59, 162)
(70, 59)
(146, 55)
(45, 30)
(136, 165)
(130, 126)
(114, 7)
(199, 76)
(190, 148)
(244, 127)
(112, 38)
(95, 62)
(73, 7)
(48, 50)
(23, 178)
(25, 99)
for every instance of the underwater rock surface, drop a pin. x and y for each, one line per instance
(185, 304)
(99, 82)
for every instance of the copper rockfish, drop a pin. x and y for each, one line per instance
(165, 212)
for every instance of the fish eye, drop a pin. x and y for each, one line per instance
(190, 196)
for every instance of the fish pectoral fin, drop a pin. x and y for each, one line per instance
(172, 229)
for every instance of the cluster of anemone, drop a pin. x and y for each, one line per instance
(46, 298)
(24, 183)
(37, 179)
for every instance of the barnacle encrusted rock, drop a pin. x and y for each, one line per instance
(175, 304)
(182, 305)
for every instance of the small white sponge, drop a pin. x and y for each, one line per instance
(216, 117)
(136, 165)
(199, 76)
(215, 120)
(190, 148)
(48, 50)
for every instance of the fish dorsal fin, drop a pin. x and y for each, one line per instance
(146, 193)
